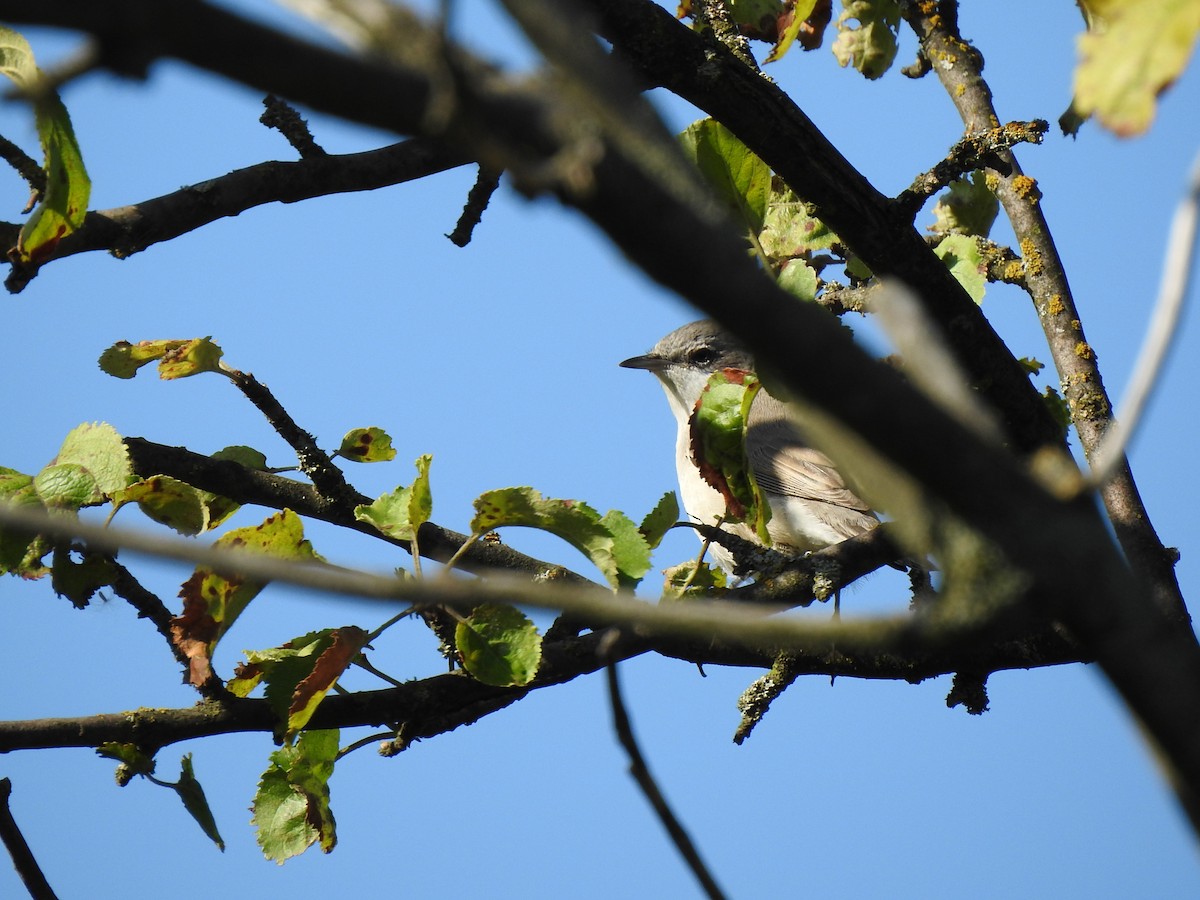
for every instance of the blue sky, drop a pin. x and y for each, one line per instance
(500, 360)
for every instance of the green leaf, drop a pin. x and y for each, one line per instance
(968, 206)
(630, 550)
(680, 582)
(102, 451)
(498, 645)
(1132, 52)
(660, 519)
(1059, 409)
(960, 253)
(403, 511)
(194, 801)
(799, 279)
(866, 38)
(790, 229)
(616, 549)
(1031, 365)
(176, 358)
(291, 807)
(299, 674)
(366, 445)
(741, 179)
(21, 553)
(133, 760)
(243, 456)
(718, 427)
(169, 502)
(67, 486)
(68, 188)
(212, 602)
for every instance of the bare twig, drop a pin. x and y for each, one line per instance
(641, 774)
(126, 230)
(314, 462)
(486, 182)
(281, 116)
(757, 699)
(23, 859)
(979, 150)
(27, 167)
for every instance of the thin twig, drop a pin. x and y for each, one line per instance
(26, 167)
(641, 774)
(486, 182)
(281, 116)
(314, 462)
(978, 150)
(1164, 326)
(23, 859)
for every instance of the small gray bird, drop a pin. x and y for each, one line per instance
(811, 507)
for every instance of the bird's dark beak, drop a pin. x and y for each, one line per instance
(649, 361)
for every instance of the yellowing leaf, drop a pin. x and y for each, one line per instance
(968, 206)
(367, 445)
(177, 358)
(692, 578)
(1132, 52)
(960, 252)
(790, 230)
(169, 502)
(101, 450)
(68, 188)
(799, 279)
(867, 35)
(212, 602)
(403, 511)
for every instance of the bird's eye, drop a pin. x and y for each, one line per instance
(702, 356)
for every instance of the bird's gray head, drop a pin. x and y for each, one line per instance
(685, 358)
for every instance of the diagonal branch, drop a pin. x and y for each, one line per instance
(126, 230)
(961, 72)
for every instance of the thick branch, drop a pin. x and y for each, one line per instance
(960, 69)
(881, 232)
(442, 703)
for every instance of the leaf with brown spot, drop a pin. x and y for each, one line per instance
(212, 602)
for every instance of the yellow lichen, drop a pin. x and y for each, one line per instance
(1033, 259)
(1056, 307)
(1084, 351)
(1027, 189)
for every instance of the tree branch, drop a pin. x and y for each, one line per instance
(961, 72)
(126, 230)
(24, 861)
